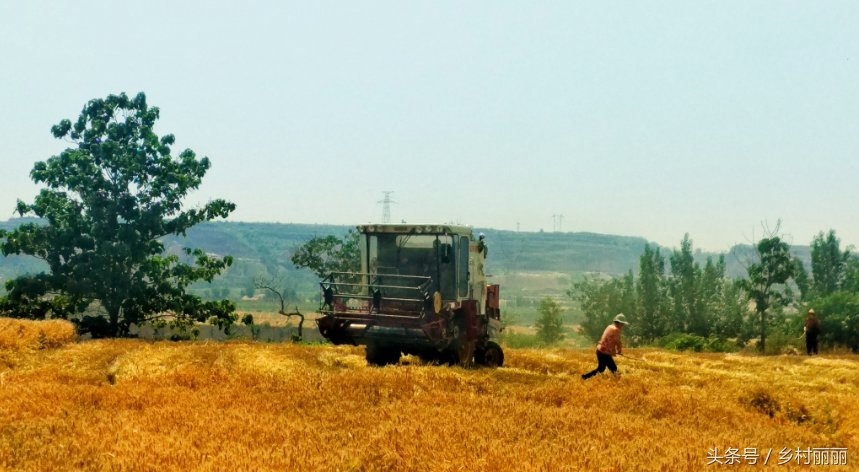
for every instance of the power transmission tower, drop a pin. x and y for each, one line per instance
(557, 222)
(386, 206)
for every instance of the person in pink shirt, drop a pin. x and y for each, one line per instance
(609, 345)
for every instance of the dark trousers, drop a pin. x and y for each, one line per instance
(603, 361)
(811, 344)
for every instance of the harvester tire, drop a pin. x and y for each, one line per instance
(381, 356)
(490, 355)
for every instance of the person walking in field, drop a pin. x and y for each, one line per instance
(609, 345)
(811, 330)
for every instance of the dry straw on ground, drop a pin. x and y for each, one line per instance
(133, 405)
(26, 334)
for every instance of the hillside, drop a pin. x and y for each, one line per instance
(134, 405)
(266, 248)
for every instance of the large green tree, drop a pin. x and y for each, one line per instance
(828, 263)
(685, 290)
(653, 306)
(835, 290)
(602, 299)
(766, 284)
(711, 287)
(107, 202)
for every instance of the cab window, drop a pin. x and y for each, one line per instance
(462, 272)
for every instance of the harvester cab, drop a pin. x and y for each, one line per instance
(421, 290)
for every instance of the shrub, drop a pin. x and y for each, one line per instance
(762, 401)
(683, 342)
(691, 342)
(839, 319)
(550, 327)
(766, 403)
(780, 342)
(720, 345)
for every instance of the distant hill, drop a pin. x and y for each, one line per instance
(266, 248)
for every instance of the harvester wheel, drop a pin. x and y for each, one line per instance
(490, 355)
(461, 354)
(460, 351)
(380, 355)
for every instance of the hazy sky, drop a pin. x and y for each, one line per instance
(649, 119)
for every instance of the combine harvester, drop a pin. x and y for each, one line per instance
(421, 290)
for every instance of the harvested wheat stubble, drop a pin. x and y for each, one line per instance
(133, 405)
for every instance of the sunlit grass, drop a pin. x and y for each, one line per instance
(124, 404)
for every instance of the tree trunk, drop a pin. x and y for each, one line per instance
(763, 332)
(113, 317)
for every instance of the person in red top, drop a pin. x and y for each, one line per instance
(609, 345)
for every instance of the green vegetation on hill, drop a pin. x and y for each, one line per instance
(513, 251)
(265, 249)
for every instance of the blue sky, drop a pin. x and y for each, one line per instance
(649, 119)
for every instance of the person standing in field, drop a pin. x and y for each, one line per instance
(811, 330)
(609, 345)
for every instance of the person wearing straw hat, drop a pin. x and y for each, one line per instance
(811, 330)
(609, 345)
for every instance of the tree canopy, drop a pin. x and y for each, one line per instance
(766, 284)
(828, 263)
(324, 255)
(107, 201)
(687, 302)
(550, 324)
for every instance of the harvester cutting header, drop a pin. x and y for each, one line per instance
(421, 290)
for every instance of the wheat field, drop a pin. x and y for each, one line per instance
(136, 405)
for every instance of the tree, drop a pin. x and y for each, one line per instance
(550, 324)
(711, 286)
(733, 311)
(800, 276)
(684, 284)
(766, 280)
(324, 255)
(839, 319)
(835, 290)
(108, 200)
(274, 286)
(828, 263)
(601, 300)
(652, 297)
(851, 274)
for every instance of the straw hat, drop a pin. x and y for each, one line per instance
(620, 319)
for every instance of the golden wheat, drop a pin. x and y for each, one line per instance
(26, 334)
(134, 405)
